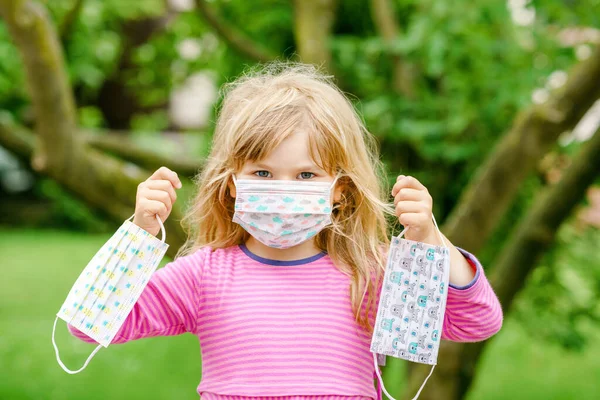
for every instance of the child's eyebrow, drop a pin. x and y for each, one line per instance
(260, 165)
(305, 167)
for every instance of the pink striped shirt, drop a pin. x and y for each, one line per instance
(281, 329)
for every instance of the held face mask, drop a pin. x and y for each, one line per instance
(280, 213)
(412, 303)
(107, 289)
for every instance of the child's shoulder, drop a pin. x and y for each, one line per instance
(207, 256)
(202, 261)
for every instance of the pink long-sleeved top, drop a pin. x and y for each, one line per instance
(281, 329)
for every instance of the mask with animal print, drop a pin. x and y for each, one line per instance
(413, 301)
(282, 213)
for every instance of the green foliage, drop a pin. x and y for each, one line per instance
(68, 211)
(562, 297)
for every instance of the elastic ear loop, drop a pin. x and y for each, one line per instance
(382, 386)
(67, 370)
(375, 356)
(162, 227)
(63, 366)
(436, 227)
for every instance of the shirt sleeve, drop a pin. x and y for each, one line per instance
(167, 306)
(473, 312)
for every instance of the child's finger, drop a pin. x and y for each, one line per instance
(408, 194)
(163, 185)
(414, 220)
(166, 173)
(157, 207)
(410, 207)
(408, 182)
(159, 195)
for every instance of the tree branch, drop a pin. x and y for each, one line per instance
(516, 154)
(519, 257)
(126, 149)
(238, 40)
(313, 23)
(115, 100)
(66, 26)
(48, 85)
(104, 182)
(382, 13)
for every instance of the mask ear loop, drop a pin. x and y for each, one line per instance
(436, 227)
(162, 227)
(63, 366)
(382, 386)
(335, 179)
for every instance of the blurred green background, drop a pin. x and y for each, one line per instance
(442, 85)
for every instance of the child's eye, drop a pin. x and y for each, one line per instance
(306, 175)
(262, 174)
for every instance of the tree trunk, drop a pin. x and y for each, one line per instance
(516, 154)
(490, 193)
(47, 81)
(115, 100)
(238, 40)
(530, 240)
(403, 73)
(313, 23)
(104, 182)
(124, 148)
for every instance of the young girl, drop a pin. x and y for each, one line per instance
(284, 307)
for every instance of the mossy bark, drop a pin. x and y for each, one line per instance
(57, 150)
(533, 133)
(238, 40)
(519, 257)
(313, 23)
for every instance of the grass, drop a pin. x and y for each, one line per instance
(39, 267)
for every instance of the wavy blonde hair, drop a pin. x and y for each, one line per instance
(260, 110)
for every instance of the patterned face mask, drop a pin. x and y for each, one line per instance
(412, 303)
(281, 213)
(105, 292)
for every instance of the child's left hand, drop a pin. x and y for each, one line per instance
(414, 208)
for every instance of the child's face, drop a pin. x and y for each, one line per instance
(291, 161)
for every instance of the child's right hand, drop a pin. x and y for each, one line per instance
(156, 195)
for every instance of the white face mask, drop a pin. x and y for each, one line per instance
(105, 292)
(280, 213)
(412, 303)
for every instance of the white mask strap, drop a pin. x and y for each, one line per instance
(436, 227)
(162, 227)
(335, 179)
(383, 386)
(67, 370)
(424, 382)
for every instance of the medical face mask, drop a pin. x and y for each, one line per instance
(280, 213)
(107, 289)
(412, 303)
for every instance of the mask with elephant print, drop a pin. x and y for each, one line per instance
(412, 303)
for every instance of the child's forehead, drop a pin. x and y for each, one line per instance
(295, 151)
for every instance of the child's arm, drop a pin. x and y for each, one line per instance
(473, 312)
(167, 305)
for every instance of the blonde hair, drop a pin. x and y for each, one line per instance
(261, 109)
